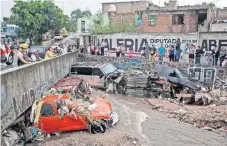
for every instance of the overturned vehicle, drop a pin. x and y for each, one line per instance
(177, 83)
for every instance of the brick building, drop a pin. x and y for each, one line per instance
(125, 7)
(173, 18)
(123, 12)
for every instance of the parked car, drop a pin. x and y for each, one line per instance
(42, 50)
(99, 75)
(58, 35)
(7, 55)
(49, 121)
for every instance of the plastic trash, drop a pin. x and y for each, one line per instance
(92, 107)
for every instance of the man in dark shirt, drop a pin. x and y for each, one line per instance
(198, 54)
(215, 54)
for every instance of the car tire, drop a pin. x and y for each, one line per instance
(98, 129)
(10, 59)
(188, 100)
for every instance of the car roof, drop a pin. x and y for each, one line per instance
(52, 98)
(89, 64)
(67, 82)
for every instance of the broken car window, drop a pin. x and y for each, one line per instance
(109, 68)
(47, 110)
(97, 72)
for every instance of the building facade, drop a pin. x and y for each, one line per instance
(124, 7)
(173, 18)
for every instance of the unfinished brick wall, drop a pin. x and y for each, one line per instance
(165, 24)
(126, 7)
(222, 13)
(124, 18)
(161, 26)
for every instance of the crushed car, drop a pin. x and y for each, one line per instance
(69, 112)
(179, 83)
(104, 76)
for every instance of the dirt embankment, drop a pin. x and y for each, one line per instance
(210, 117)
(111, 137)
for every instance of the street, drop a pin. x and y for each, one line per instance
(140, 125)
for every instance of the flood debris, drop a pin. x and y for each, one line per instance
(208, 117)
(70, 105)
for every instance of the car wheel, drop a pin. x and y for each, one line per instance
(98, 128)
(188, 100)
(10, 59)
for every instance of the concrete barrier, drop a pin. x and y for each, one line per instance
(21, 86)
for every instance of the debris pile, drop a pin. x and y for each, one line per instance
(70, 105)
(210, 117)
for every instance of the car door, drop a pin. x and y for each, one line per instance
(85, 73)
(69, 124)
(97, 78)
(49, 120)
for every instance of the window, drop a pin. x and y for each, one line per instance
(82, 70)
(152, 19)
(178, 19)
(47, 110)
(109, 68)
(97, 71)
(83, 26)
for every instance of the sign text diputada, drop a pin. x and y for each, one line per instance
(137, 44)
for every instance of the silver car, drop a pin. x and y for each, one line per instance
(94, 74)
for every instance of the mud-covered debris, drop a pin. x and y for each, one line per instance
(181, 112)
(10, 137)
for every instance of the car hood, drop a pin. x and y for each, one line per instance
(103, 109)
(193, 85)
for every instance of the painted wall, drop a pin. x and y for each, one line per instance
(21, 86)
(208, 40)
(137, 40)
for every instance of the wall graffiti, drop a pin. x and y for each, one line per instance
(203, 74)
(3, 97)
(23, 102)
(136, 42)
(209, 44)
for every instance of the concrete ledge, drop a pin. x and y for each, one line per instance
(21, 86)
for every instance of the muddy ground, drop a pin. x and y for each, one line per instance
(211, 117)
(153, 122)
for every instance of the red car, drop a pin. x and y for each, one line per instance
(49, 119)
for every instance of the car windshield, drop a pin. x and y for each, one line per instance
(109, 68)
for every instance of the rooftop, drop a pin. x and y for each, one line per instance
(111, 2)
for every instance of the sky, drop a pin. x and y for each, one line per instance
(94, 5)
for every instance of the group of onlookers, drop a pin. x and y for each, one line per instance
(25, 58)
(195, 55)
(175, 53)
